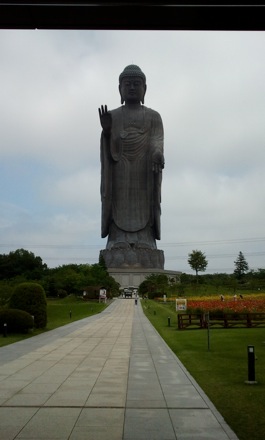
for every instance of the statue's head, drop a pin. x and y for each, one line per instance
(132, 84)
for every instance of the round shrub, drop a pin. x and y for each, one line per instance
(31, 298)
(17, 321)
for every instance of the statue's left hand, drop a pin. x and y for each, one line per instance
(158, 161)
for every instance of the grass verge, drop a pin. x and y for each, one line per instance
(221, 370)
(60, 312)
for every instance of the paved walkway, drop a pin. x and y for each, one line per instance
(107, 377)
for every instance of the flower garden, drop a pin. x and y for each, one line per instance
(254, 303)
(225, 312)
(250, 304)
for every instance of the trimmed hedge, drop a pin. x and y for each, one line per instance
(31, 298)
(17, 321)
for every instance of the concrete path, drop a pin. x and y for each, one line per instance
(107, 377)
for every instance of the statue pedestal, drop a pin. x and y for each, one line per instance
(134, 277)
(133, 258)
(130, 267)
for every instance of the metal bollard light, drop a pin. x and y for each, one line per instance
(5, 330)
(168, 321)
(251, 365)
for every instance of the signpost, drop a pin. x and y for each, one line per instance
(102, 295)
(181, 304)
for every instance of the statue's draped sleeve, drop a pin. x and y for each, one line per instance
(105, 187)
(156, 145)
(110, 152)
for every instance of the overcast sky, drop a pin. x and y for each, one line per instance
(209, 89)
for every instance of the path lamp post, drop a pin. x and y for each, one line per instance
(207, 317)
(251, 365)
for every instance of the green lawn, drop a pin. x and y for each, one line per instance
(221, 370)
(60, 312)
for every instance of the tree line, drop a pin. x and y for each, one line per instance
(22, 266)
(242, 278)
(197, 261)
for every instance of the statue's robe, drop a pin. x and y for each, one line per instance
(130, 190)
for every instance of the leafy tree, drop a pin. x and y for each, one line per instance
(31, 298)
(197, 262)
(187, 278)
(21, 263)
(68, 277)
(98, 273)
(260, 274)
(102, 262)
(101, 277)
(241, 266)
(74, 279)
(154, 284)
(50, 286)
(143, 287)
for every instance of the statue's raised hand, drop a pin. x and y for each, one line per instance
(105, 119)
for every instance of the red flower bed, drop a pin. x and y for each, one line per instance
(231, 305)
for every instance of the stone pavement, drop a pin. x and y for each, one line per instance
(107, 377)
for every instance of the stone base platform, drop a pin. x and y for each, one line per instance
(133, 258)
(134, 277)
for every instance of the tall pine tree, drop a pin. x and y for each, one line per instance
(241, 266)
